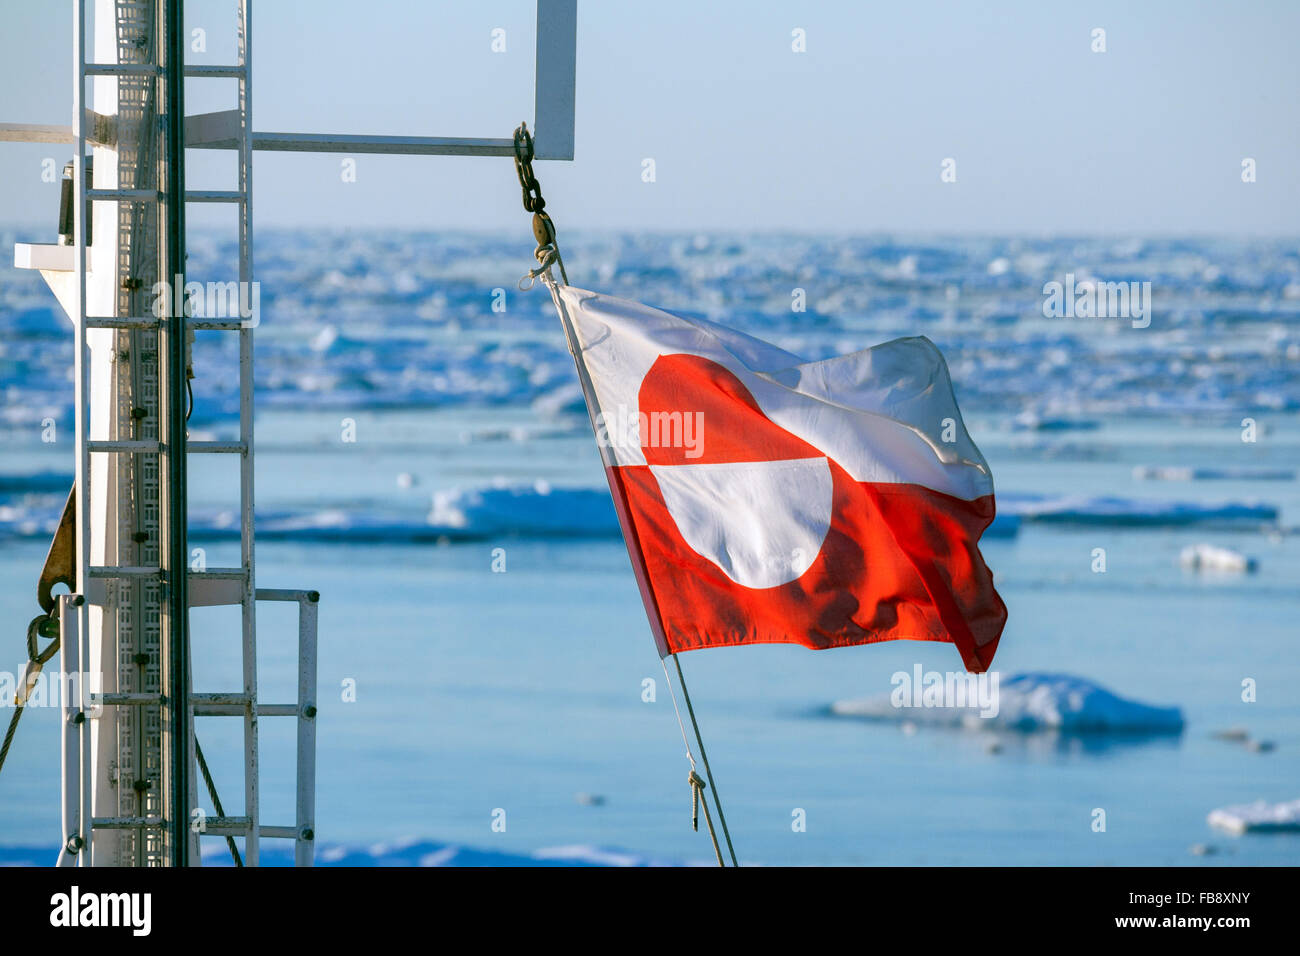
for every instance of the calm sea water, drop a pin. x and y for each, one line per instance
(520, 690)
(478, 690)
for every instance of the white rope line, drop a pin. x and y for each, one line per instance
(682, 726)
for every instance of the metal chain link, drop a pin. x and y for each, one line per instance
(548, 249)
(533, 201)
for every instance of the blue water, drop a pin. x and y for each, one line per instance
(520, 690)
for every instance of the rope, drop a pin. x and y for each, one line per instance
(216, 801)
(697, 785)
(9, 734)
(36, 659)
(686, 695)
(697, 791)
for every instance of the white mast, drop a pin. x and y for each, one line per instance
(130, 782)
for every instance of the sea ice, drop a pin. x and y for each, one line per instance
(1032, 702)
(1258, 817)
(1181, 473)
(1114, 510)
(1208, 557)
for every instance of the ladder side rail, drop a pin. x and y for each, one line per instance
(70, 735)
(305, 843)
(81, 427)
(246, 499)
(178, 730)
(305, 711)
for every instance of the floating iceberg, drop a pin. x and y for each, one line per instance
(535, 510)
(1257, 817)
(427, 853)
(528, 511)
(1032, 702)
(1180, 473)
(1111, 510)
(1207, 557)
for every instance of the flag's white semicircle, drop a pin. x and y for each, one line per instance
(725, 512)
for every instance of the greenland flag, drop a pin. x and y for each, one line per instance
(767, 499)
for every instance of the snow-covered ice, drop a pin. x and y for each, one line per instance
(1258, 817)
(1032, 702)
(1116, 510)
(1208, 557)
(1185, 473)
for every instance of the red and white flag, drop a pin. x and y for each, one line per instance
(767, 499)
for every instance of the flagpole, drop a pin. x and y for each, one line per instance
(690, 710)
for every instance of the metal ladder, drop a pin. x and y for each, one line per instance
(138, 585)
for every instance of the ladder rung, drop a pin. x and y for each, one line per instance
(124, 823)
(220, 573)
(123, 69)
(277, 710)
(124, 195)
(221, 699)
(217, 447)
(236, 705)
(124, 571)
(132, 447)
(138, 322)
(132, 700)
(212, 826)
(225, 826)
(279, 833)
(287, 594)
(151, 322)
(217, 325)
(212, 69)
(214, 195)
(220, 710)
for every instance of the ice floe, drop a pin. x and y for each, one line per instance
(533, 509)
(1182, 473)
(1115, 510)
(1208, 557)
(1258, 817)
(1028, 703)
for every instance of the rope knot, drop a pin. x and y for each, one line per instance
(697, 791)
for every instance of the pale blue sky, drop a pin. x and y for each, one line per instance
(1049, 137)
